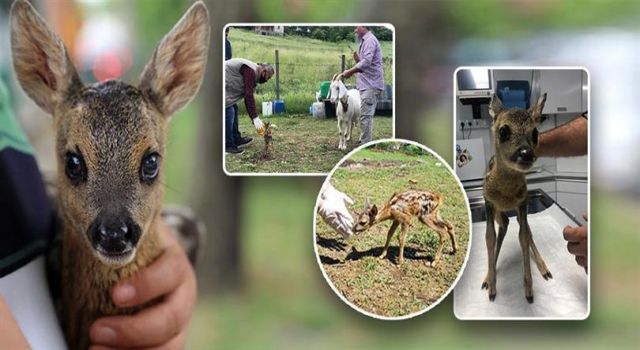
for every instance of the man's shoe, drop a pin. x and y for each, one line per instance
(244, 141)
(233, 150)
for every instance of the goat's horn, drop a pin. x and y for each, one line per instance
(339, 77)
(367, 202)
(334, 77)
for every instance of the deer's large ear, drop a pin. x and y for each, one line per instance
(174, 73)
(373, 211)
(536, 110)
(495, 106)
(40, 59)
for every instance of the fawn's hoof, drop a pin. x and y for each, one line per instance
(492, 297)
(485, 285)
(530, 299)
(547, 276)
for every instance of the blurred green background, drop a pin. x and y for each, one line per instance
(260, 286)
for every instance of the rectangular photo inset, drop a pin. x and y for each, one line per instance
(298, 97)
(522, 155)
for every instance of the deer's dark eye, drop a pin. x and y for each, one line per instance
(504, 133)
(534, 135)
(75, 168)
(149, 168)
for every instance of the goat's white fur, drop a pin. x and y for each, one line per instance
(347, 119)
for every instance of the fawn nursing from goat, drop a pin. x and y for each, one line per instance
(515, 137)
(110, 147)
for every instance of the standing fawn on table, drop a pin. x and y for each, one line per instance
(347, 109)
(401, 208)
(515, 138)
(110, 146)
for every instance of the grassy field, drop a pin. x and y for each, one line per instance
(304, 63)
(300, 144)
(379, 285)
(286, 304)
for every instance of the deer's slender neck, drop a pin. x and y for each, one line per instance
(383, 215)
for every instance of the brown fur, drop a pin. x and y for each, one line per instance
(268, 138)
(113, 126)
(505, 186)
(401, 208)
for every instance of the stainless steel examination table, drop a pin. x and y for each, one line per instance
(564, 296)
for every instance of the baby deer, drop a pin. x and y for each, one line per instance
(401, 208)
(515, 138)
(267, 154)
(110, 147)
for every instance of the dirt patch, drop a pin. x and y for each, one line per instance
(365, 163)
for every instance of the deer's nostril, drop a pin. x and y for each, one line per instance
(526, 154)
(106, 232)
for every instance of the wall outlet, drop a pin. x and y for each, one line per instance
(472, 124)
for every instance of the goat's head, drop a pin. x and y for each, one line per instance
(110, 136)
(338, 89)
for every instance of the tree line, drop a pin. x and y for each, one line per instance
(336, 34)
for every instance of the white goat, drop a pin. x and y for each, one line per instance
(347, 109)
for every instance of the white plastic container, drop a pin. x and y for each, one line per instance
(267, 108)
(317, 110)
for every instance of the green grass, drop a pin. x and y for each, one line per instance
(286, 304)
(300, 144)
(304, 63)
(380, 286)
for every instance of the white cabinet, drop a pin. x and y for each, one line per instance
(585, 91)
(573, 196)
(564, 90)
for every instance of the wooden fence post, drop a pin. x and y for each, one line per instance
(343, 64)
(277, 75)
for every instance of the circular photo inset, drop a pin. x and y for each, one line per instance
(392, 229)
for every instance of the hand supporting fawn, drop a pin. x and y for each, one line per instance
(110, 147)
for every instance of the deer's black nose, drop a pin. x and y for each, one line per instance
(525, 154)
(118, 231)
(114, 235)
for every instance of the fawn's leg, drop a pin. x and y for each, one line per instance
(503, 224)
(392, 230)
(542, 267)
(490, 240)
(401, 238)
(450, 231)
(523, 235)
(432, 221)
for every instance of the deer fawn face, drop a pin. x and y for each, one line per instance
(366, 219)
(515, 133)
(110, 136)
